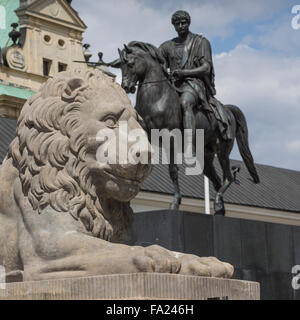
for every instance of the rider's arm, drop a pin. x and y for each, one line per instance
(203, 63)
(203, 70)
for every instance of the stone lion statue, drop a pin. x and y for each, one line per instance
(63, 213)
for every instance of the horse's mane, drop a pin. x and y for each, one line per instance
(151, 49)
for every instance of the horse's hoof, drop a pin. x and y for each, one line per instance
(220, 213)
(219, 209)
(219, 206)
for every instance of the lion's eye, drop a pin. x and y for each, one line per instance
(110, 121)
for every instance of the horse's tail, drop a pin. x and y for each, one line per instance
(243, 142)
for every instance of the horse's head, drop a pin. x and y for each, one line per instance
(133, 67)
(136, 60)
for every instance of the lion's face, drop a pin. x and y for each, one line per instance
(118, 181)
(56, 151)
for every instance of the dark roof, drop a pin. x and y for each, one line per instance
(7, 134)
(279, 188)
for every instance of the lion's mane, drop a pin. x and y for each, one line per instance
(50, 148)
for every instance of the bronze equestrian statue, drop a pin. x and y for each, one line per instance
(189, 59)
(186, 102)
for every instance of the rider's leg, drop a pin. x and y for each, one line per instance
(223, 122)
(188, 102)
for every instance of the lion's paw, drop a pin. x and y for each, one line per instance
(205, 267)
(157, 260)
(102, 229)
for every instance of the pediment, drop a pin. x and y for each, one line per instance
(58, 10)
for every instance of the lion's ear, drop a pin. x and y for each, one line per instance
(72, 89)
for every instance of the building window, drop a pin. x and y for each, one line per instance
(61, 43)
(62, 67)
(46, 67)
(47, 38)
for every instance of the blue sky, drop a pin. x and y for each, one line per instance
(256, 56)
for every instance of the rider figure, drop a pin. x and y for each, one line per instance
(189, 58)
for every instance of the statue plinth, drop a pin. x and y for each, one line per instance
(139, 286)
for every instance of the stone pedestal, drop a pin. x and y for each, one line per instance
(259, 251)
(142, 286)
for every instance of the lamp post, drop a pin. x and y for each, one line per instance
(206, 195)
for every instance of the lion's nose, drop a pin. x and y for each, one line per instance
(144, 166)
(142, 152)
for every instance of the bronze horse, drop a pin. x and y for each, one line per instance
(157, 102)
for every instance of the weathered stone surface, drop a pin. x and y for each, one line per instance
(139, 286)
(63, 213)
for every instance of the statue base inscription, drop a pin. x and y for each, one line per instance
(141, 286)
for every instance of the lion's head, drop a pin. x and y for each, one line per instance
(55, 152)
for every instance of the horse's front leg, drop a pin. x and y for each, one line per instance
(219, 200)
(173, 170)
(229, 178)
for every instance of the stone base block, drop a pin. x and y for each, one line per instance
(142, 286)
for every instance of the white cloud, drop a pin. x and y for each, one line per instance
(280, 37)
(112, 23)
(267, 90)
(217, 18)
(293, 146)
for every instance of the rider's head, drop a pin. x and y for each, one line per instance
(181, 21)
(179, 15)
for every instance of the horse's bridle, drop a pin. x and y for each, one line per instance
(149, 82)
(164, 80)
